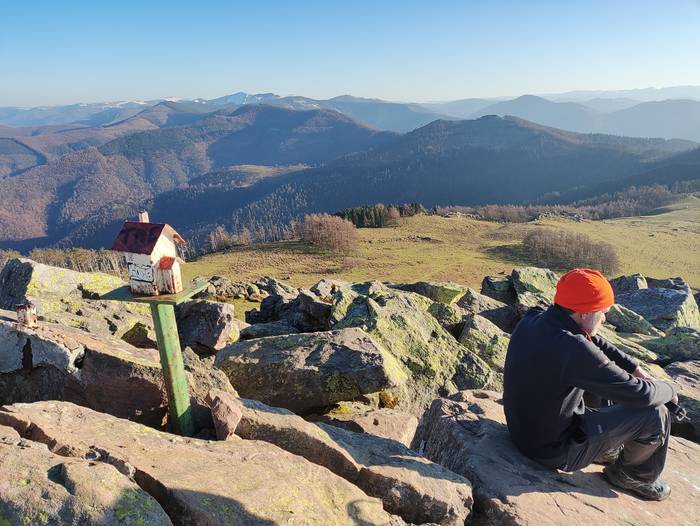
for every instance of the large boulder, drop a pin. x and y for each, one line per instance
(687, 375)
(664, 308)
(206, 326)
(625, 320)
(534, 279)
(668, 283)
(71, 299)
(497, 312)
(499, 288)
(410, 486)
(380, 421)
(106, 374)
(447, 293)
(486, 340)
(636, 345)
(448, 316)
(270, 328)
(427, 355)
(41, 487)
(197, 481)
(629, 283)
(468, 435)
(306, 371)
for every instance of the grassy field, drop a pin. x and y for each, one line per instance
(463, 250)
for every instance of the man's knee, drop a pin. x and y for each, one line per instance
(656, 421)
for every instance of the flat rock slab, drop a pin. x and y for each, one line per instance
(409, 485)
(40, 487)
(663, 308)
(238, 481)
(469, 436)
(379, 421)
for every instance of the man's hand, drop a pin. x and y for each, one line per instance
(675, 399)
(639, 373)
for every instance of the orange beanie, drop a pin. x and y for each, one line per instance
(584, 290)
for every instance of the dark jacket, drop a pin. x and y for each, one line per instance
(549, 365)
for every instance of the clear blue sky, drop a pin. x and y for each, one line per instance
(56, 52)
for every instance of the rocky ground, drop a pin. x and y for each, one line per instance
(347, 403)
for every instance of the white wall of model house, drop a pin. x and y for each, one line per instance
(145, 276)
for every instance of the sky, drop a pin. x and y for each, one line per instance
(61, 52)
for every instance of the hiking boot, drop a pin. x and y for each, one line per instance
(609, 456)
(657, 490)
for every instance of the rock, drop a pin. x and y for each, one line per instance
(426, 354)
(305, 371)
(486, 340)
(106, 374)
(628, 283)
(663, 308)
(535, 279)
(301, 309)
(499, 288)
(410, 486)
(669, 283)
(226, 412)
(625, 320)
(272, 328)
(633, 344)
(273, 286)
(498, 313)
(70, 298)
(468, 435)
(687, 375)
(223, 288)
(206, 326)
(40, 487)
(382, 422)
(448, 316)
(679, 344)
(446, 293)
(527, 300)
(141, 335)
(197, 481)
(326, 288)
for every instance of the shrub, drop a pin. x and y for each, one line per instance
(560, 249)
(329, 232)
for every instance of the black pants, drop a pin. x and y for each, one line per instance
(643, 431)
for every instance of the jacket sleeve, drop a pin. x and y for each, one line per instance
(621, 359)
(589, 368)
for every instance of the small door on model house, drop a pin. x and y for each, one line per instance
(151, 257)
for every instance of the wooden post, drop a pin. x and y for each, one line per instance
(180, 411)
(163, 312)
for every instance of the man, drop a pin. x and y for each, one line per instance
(554, 357)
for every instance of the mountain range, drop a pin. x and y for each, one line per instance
(261, 165)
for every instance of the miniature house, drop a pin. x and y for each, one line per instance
(26, 315)
(151, 256)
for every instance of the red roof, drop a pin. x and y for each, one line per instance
(141, 238)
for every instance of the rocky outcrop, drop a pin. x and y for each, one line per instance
(629, 283)
(625, 320)
(486, 340)
(687, 376)
(498, 313)
(271, 328)
(468, 435)
(306, 371)
(448, 316)
(664, 308)
(410, 486)
(224, 289)
(106, 374)
(447, 293)
(499, 288)
(200, 482)
(361, 418)
(41, 487)
(206, 326)
(301, 309)
(679, 344)
(427, 355)
(71, 299)
(534, 287)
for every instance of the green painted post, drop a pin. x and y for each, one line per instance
(180, 412)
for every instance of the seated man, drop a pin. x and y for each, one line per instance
(554, 357)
